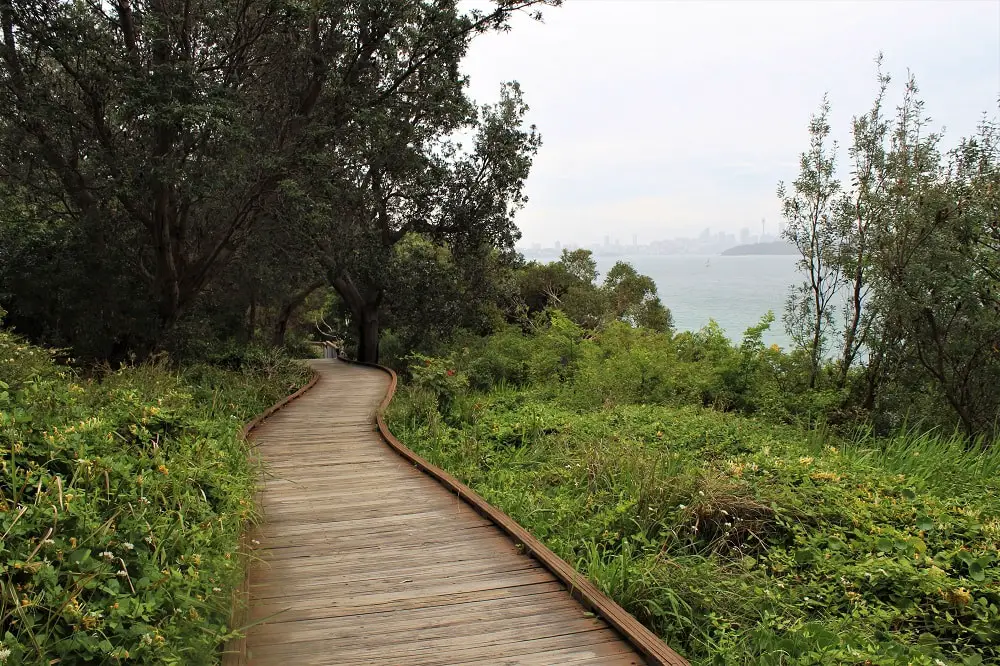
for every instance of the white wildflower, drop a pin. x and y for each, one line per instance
(128, 546)
(108, 555)
(122, 574)
(4, 653)
(48, 542)
(216, 589)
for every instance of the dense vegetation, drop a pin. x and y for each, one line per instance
(901, 266)
(122, 501)
(187, 187)
(179, 170)
(740, 539)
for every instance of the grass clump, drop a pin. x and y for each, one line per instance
(122, 501)
(740, 538)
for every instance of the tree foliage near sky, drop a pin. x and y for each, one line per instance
(899, 259)
(570, 285)
(150, 144)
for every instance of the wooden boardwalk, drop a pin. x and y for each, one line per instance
(363, 559)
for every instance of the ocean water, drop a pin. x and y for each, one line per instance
(734, 291)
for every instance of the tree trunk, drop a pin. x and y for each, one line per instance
(365, 310)
(251, 321)
(288, 309)
(368, 334)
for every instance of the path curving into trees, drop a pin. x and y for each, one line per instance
(362, 558)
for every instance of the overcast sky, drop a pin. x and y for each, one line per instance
(660, 117)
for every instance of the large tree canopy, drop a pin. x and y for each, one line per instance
(145, 140)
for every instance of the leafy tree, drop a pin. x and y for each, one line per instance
(862, 211)
(633, 298)
(940, 278)
(912, 240)
(580, 264)
(464, 199)
(810, 210)
(164, 131)
(569, 285)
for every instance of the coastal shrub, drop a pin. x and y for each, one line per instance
(743, 528)
(122, 501)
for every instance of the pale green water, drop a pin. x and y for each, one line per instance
(735, 291)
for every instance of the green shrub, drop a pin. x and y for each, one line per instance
(122, 501)
(703, 487)
(437, 377)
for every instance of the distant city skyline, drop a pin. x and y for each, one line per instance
(707, 241)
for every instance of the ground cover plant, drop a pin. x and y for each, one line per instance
(122, 500)
(673, 472)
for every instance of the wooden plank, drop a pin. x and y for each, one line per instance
(363, 559)
(466, 587)
(652, 648)
(429, 624)
(427, 640)
(315, 606)
(367, 582)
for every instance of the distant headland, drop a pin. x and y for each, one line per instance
(773, 247)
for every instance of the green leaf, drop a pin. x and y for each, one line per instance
(925, 523)
(976, 572)
(79, 555)
(909, 494)
(884, 544)
(805, 556)
(965, 557)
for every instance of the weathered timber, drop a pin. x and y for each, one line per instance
(364, 555)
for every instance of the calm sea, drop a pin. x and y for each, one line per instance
(734, 291)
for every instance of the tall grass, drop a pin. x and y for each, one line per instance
(940, 463)
(739, 539)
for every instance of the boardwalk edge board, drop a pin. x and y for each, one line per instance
(234, 651)
(648, 644)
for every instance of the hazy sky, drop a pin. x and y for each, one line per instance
(660, 118)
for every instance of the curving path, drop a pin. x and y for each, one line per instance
(363, 559)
